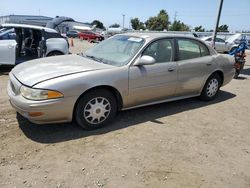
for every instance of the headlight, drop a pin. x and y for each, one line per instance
(39, 94)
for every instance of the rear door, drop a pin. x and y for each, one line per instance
(7, 52)
(195, 64)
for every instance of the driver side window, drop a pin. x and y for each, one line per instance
(161, 50)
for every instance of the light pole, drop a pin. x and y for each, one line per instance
(217, 24)
(123, 19)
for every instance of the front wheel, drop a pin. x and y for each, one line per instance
(95, 109)
(211, 87)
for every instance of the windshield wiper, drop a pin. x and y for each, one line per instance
(95, 58)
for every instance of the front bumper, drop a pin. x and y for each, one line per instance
(52, 111)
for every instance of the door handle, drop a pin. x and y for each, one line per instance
(170, 69)
(209, 64)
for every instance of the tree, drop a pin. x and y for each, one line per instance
(199, 29)
(115, 25)
(137, 24)
(159, 22)
(98, 24)
(211, 30)
(179, 26)
(223, 28)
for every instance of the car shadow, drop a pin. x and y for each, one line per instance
(245, 71)
(5, 70)
(54, 133)
(241, 78)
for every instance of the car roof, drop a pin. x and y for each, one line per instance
(149, 36)
(155, 35)
(28, 27)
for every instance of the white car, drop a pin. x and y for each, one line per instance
(21, 42)
(222, 45)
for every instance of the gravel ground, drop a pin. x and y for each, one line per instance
(188, 143)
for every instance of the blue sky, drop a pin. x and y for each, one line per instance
(235, 13)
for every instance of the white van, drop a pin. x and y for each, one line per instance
(21, 42)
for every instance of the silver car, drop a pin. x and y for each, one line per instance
(222, 45)
(126, 71)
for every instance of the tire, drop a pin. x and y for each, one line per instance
(54, 54)
(211, 88)
(95, 109)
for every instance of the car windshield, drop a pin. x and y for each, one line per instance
(116, 51)
(234, 37)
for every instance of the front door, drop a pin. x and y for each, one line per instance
(155, 82)
(7, 52)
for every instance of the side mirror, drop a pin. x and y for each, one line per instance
(145, 60)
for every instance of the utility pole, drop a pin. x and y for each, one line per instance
(123, 19)
(130, 24)
(217, 24)
(175, 15)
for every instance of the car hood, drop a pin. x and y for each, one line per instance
(36, 71)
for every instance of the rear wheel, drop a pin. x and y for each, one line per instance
(211, 87)
(95, 109)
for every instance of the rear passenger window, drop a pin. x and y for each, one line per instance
(189, 49)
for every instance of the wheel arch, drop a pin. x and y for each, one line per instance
(220, 73)
(54, 51)
(232, 48)
(111, 89)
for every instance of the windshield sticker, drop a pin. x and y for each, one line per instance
(133, 39)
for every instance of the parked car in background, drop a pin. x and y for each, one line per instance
(222, 45)
(7, 34)
(123, 72)
(21, 42)
(90, 35)
(73, 34)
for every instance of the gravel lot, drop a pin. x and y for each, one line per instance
(187, 143)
